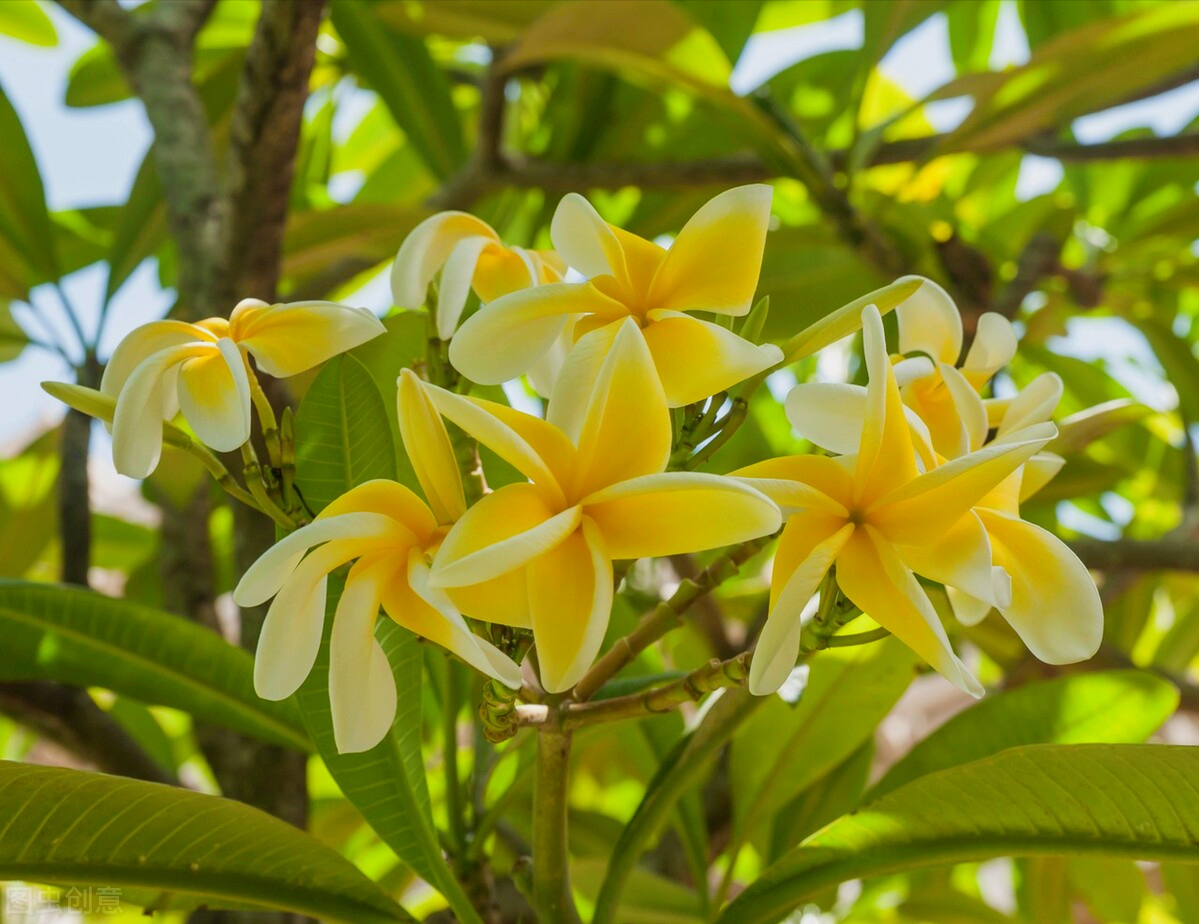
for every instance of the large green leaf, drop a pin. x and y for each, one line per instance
(400, 69)
(27, 251)
(1114, 800)
(783, 749)
(25, 20)
(1117, 707)
(493, 22)
(139, 227)
(175, 847)
(84, 638)
(13, 338)
(344, 437)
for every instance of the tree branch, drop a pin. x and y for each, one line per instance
(1138, 554)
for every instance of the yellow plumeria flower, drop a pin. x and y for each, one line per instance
(597, 491)
(167, 366)
(389, 534)
(880, 521)
(712, 266)
(470, 255)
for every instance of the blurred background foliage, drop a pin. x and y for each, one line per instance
(499, 108)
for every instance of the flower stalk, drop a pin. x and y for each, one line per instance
(551, 873)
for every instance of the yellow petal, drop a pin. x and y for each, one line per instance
(214, 395)
(802, 482)
(502, 532)
(678, 512)
(537, 449)
(1035, 404)
(626, 427)
(969, 410)
(872, 576)
(584, 239)
(886, 458)
(642, 260)
(286, 339)
(929, 322)
(143, 342)
(388, 498)
(961, 558)
(1038, 472)
(426, 249)
(504, 338)
(714, 263)
(696, 358)
(362, 690)
(807, 548)
(570, 596)
(993, 348)
(460, 270)
(923, 510)
(967, 610)
(832, 415)
(502, 270)
(503, 600)
(148, 397)
(429, 449)
(1055, 608)
(543, 374)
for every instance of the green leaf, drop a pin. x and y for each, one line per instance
(972, 33)
(784, 749)
(1111, 889)
(400, 69)
(495, 23)
(847, 319)
(183, 848)
(1078, 431)
(1132, 800)
(1178, 359)
(343, 436)
(27, 251)
(96, 79)
(649, 898)
(13, 338)
(731, 24)
(27, 21)
(830, 797)
(139, 228)
(387, 783)
(86, 639)
(1120, 707)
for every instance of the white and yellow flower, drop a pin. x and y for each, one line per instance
(201, 369)
(880, 521)
(470, 255)
(712, 266)
(597, 491)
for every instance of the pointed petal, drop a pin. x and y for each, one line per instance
(143, 342)
(575, 384)
(584, 240)
(696, 358)
(362, 690)
(993, 348)
(570, 596)
(1035, 404)
(1055, 606)
(806, 550)
(887, 458)
(503, 270)
(832, 415)
(429, 449)
(142, 404)
(290, 338)
(873, 577)
(270, 572)
(967, 610)
(715, 261)
(815, 483)
(961, 558)
(544, 373)
(678, 512)
(426, 249)
(503, 600)
(626, 426)
(504, 338)
(969, 410)
(503, 531)
(929, 322)
(390, 498)
(456, 283)
(1038, 472)
(923, 510)
(537, 449)
(214, 395)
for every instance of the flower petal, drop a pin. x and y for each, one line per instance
(504, 338)
(969, 410)
(961, 558)
(503, 531)
(967, 610)
(626, 426)
(715, 261)
(886, 459)
(429, 449)
(929, 322)
(214, 395)
(1038, 472)
(806, 550)
(362, 689)
(1035, 404)
(270, 572)
(503, 600)
(144, 400)
(456, 280)
(390, 498)
(678, 512)
(570, 597)
(575, 384)
(502, 270)
(832, 415)
(802, 482)
(543, 374)
(874, 578)
(143, 342)
(696, 358)
(584, 239)
(290, 338)
(993, 348)
(426, 249)
(1055, 608)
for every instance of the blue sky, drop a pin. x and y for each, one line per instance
(90, 156)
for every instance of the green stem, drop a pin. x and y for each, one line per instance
(266, 417)
(552, 899)
(858, 638)
(453, 782)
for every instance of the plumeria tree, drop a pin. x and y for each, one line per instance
(588, 580)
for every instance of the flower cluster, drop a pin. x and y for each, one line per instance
(924, 475)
